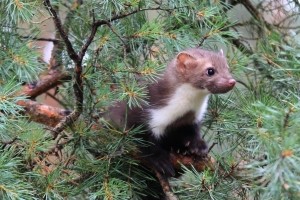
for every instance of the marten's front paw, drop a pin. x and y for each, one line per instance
(196, 147)
(162, 163)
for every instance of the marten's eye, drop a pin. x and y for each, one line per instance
(210, 71)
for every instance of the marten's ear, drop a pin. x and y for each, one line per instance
(185, 61)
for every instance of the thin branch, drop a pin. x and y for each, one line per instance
(62, 32)
(249, 6)
(78, 88)
(77, 59)
(294, 15)
(118, 35)
(287, 117)
(57, 99)
(202, 39)
(47, 82)
(40, 22)
(120, 16)
(65, 122)
(98, 23)
(89, 40)
(256, 15)
(41, 39)
(210, 148)
(165, 186)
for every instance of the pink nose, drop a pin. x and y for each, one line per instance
(231, 82)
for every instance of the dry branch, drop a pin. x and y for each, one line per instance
(42, 113)
(51, 80)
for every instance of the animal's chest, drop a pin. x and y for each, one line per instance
(186, 101)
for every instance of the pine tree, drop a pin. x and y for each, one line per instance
(106, 51)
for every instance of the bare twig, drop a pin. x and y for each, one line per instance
(89, 40)
(210, 148)
(41, 39)
(57, 99)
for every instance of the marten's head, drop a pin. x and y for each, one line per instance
(204, 70)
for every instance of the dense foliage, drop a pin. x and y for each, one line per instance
(108, 50)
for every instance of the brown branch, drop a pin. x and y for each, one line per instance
(42, 113)
(238, 44)
(78, 89)
(77, 59)
(256, 15)
(165, 186)
(65, 122)
(287, 117)
(41, 39)
(47, 82)
(250, 7)
(62, 32)
(89, 40)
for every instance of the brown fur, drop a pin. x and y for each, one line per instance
(190, 66)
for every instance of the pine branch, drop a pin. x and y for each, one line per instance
(78, 83)
(60, 29)
(98, 23)
(77, 59)
(165, 186)
(51, 80)
(42, 113)
(51, 116)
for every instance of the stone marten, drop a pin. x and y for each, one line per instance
(177, 104)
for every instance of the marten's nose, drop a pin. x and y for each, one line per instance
(231, 82)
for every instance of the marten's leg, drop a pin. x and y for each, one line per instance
(185, 140)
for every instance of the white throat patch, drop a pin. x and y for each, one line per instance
(185, 98)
